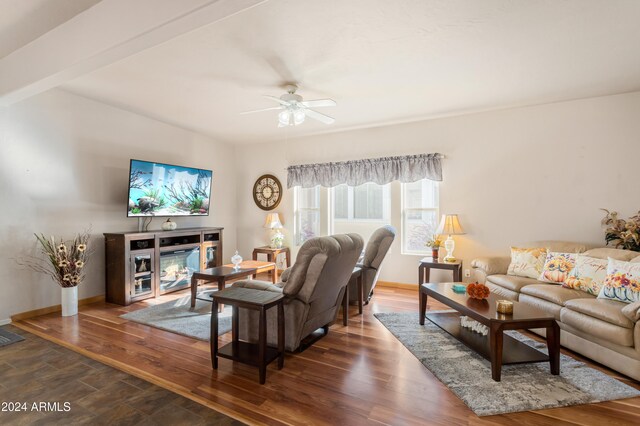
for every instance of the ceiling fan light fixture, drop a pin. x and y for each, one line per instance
(284, 118)
(298, 117)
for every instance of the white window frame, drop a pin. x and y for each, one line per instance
(406, 210)
(386, 206)
(298, 210)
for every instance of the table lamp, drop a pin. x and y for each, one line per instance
(450, 225)
(273, 222)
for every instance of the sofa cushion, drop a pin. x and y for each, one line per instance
(511, 282)
(502, 293)
(588, 275)
(607, 252)
(622, 282)
(553, 293)
(527, 262)
(557, 267)
(544, 305)
(606, 310)
(595, 327)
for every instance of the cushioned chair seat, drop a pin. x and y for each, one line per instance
(511, 282)
(605, 310)
(554, 293)
(593, 326)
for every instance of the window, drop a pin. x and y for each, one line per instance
(307, 213)
(367, 202)
(419, 214)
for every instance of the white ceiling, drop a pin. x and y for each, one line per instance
(22, 21)
(382, 61)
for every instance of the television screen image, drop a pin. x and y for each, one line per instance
(157, 189)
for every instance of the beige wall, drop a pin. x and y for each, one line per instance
(512, 175)
(65, 162)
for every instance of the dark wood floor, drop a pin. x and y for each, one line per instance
(39, 371)
(358, 374)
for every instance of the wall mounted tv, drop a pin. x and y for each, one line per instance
(157, 189)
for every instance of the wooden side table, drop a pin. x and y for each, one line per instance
(428, 263)
(357, 274)
(272, 256)
(224, 273)
(256, 354)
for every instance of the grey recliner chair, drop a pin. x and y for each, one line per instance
(374, 254)
(313, 287)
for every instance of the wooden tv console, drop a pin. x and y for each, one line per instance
(142, 265)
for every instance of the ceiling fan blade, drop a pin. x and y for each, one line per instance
(280, 101)
(260, 110)
(320, 117)
(318, 103)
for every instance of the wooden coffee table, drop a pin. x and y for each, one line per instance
(496, 347)
(224, 273)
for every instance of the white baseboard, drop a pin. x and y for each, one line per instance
(5, 321)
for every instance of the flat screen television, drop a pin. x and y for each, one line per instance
(157, 189)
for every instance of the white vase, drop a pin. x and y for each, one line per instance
(69, 301)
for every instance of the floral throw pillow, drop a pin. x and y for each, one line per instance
(622, 282)
(557, 267)
(527, 262)
(587, 275)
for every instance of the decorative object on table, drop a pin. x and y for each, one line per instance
(625, 234)
(527, 262)
(169, 225)
(478, 291)
(236, 259)
(273, 222)
(529, 386)
(459, 288)
(434, 243)
(622, 282)
(557, 267)
(267, 192)
(66, 263)
(450, 225)
(473, 325)
(504, 306)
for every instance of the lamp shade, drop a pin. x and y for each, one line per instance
(273, 221)
(449, 225)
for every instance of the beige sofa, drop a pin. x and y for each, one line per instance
(605, 331)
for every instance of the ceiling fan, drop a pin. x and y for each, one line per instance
(293, 110)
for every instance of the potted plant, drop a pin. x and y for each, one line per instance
(434, 243)
(624, 234)
(65, 262)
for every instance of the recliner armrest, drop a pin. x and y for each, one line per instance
(632, 311)
(258, 285)
(491, 265)
(284, 276)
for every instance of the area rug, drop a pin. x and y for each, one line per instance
(523, 387)
(178, 317)
(7, 337)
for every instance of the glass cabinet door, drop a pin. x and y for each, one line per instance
(141, 274)
(211, 257)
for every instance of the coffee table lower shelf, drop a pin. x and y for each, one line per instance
(515, 352)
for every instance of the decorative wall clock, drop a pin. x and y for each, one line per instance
(267, 192)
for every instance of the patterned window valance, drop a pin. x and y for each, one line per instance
(409, 168)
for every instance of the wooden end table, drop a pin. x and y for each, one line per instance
(272, 256)
(357, 274)
(224, 273)
(256, 354)
(496, 347)
(428, 263)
